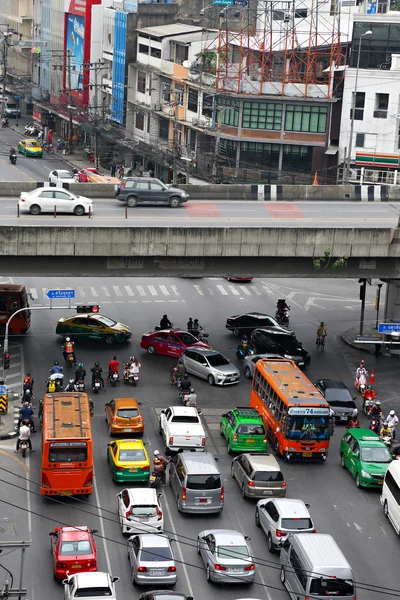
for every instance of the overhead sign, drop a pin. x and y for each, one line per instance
(3, 390)
(60, 294)
(3, 99)
(307, 411)
(230, 2)
(388, 327)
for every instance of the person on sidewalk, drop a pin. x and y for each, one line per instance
(113, 169)
(121, 172)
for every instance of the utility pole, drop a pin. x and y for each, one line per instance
(69, 87)
(217, 141)
(175, 145)
(97, 68)
(6, 35)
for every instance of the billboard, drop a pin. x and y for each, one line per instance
(75, 46)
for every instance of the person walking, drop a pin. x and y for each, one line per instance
(113, 169)
(121, 172)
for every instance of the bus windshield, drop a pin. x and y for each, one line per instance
(306, 427)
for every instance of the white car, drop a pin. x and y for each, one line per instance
(60, 177)
(46, 198)
(140, 511)
(92, 586)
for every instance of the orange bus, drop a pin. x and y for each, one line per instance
(12, 298)
(67, 448)
(295, 415)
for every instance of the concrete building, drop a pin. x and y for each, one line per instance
(17, 16)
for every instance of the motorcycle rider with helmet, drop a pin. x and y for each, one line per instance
(80, 372)
(159, 465)
(375, 410)
(392, 422)
(112, 367)
(190, 399)
(27, 396)
(185, 384)
(56, 368)
(165, 323)
(26, 416)
(24, 434)
(71, 386)
(69, 348)
(97, 374)
(385, 432)
(28, 382)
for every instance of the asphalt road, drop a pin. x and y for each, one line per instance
(353, 517)
(111, 213)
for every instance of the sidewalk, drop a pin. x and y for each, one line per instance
(350, 335)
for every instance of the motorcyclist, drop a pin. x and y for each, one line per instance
(26, 415)
(191, 399)
(80, 372)
(196, 328)
(189, 325)
(159, 465)
(112, 367)
(56, 368)
(165, 323)
(392, 422)
(70, 387)
(28, 382)
(97, 374)
(385, 431)
(24, 434)
(353, 423)
(281, 305)
(135, 366)
(361, 370)
(185, 383)
(369, 392)
(27, 396)
(321, 332)
(69, 348)
(375, 410)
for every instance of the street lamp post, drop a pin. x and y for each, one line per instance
(353, 110)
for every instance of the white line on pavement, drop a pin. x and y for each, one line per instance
(152, 290)
(102, 530)
(221, 289)
(175, 290)
(117, 290)
(233, 290)
(93, 291)
(164, 290)
(105, 290)
(245, 290)
(198, 290)
(129, 290)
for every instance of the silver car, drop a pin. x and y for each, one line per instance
(211, 365)
(281, 516)
(226, 556)
(152, 560)
(249, 362)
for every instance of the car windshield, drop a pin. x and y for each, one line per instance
(307, 428)
(76, 548)
(342, 403)
(156, 554)
(331, 587)
(232, 552)
(147, 510)
(288, 342)
(127, 413)
(105, 320)
(296, 523)
(32, 145)
(268, 476)
(65, 175)
(188, 339)
(67, 455)
(93, 592)
(375, 455)
(341, 395)
(203, 482)
(131, 455)
(185, 419)
(217, 360)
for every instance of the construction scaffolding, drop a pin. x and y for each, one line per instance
(288, 48)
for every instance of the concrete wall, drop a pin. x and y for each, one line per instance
(261, 193)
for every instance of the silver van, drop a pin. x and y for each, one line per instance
(313, 565)
(196, 482)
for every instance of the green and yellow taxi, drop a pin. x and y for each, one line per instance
(367, 458)
(128, 460)
(243, 430)
(30, 148)
(93, 326)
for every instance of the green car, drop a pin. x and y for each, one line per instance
(367, 458)
(93, 326)
(243, 430)
(128, 460)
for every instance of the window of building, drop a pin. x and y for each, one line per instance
(301, 13)
(230, 111)
(166, 90)
(297, 158)
(178, 96)
(359, 111)
(143, 49)
(150, 84)
(208, 104)
(141, 81)
(228, 148)
(259, 115)
(311, 119)
(155, 52)
(381, 106)
(181, 53)
(257, 153)
(333, 7)
(163, 131)
(139, 121)
(360, 140)
(192, 99)
(148, 123)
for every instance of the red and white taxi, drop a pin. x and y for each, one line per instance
(170, 342)
(73, 550)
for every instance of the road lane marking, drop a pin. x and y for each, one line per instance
(105, 290)
(102, 529)
(117, 290)
(21, 462)
(164, 290)
(152, 290)
(233, 290)
(93, 291)
(245, 290)
(129, 290)
(198, 290)
(221, 289)
(175, 290)
(141, 291)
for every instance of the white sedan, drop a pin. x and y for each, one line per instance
(45, 199)
(59, 177)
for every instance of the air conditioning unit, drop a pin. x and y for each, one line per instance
(157, 107)
(171, 112)
(195, 121)
(202, 123)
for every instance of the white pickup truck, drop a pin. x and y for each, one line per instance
(181, 429)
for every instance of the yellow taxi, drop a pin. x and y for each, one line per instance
(93, 326)
(30, 148)
(128, 460)
(123, 415)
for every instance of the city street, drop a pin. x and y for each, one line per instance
(354, 517)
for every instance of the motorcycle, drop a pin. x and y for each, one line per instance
(369, 398)
(375, 425)
(114, 378)
(91, 408)
(283, 316)
(40, 412)
(387, 439)
(361, 383)
(354, 423)
(242, 352)
(96, 385)
(80, 385)
(23, 446)
(13, 159)
(71, 386)
(4, 122)
(183, 394)
(132, 378)
(158, 328)
(156, 479)
(201, 335)
(70, 359)
(55, 383)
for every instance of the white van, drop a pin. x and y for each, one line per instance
(390, 498)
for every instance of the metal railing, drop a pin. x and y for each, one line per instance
(369, 176)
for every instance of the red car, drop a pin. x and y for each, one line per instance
(171, 342)
(240, 279)
(73, 550)
(83, 174)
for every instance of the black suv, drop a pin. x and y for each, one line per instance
(278, 342)
(248, 322)
(147, 190)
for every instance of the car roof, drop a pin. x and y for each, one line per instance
(29, 140)
(84, 314)
(289, 506)
(184, 411)
(206, 351)
(366, 437)
(152, 540)
(323, 546)
(274, 331)
(130, 443)
(257, 315)
(255, 357)
(74, 533)
(262, 462)
(334, 384)
(196, 463)
(244, 413)
(227, 536)
(142, 495)
(97, 578)
(127, 402)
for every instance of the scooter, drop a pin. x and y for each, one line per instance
(13, 159)
(70, 359)
(23, 446)
(375, 425)
(96, 386)
(80, 385)
(4, 122)
(283, 316)
(354, 423)
(241, 352)
(387, 439)
(55, 383)
(132, 378)
(361, 383)
(183, 394)
(369, 398)
(114, 378)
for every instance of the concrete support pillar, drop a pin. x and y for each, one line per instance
(392, 309)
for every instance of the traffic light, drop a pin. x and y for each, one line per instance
(88, 308)
(6, 360)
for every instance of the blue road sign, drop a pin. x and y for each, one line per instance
(388, 327)
(60, 294)
(3, 390)
(223, 2)
(17, 97)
